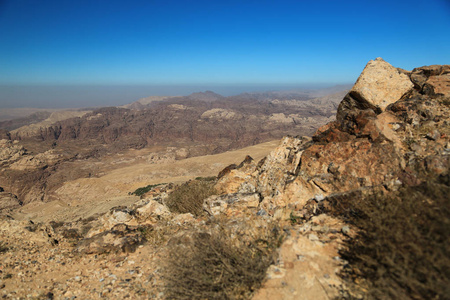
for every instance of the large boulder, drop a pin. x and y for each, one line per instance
(379, 85)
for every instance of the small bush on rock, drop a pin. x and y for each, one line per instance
(141, 191)
(189, 197)
(218, 266)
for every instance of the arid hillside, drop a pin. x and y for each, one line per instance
(357, 211)
(39, 158)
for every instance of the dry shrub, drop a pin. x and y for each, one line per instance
(188, 197)
(402, 250)
(217, 266)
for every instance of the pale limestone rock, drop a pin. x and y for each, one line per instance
(10, 151)
(380, 84)
(214, 205)
(153, 209)
(177, 106)
(119, 216)
(240, 180)
(181, 153)
(269, 178)
(281, 118)
(219, 113)
(278, 165)
(298, 191)
(37, 161)
(305, 268)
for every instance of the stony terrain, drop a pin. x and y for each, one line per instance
(390, 131)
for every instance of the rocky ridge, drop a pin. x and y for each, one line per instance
(378, 141)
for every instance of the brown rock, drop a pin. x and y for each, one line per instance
(120, 238)
(4, 135)
(432, 80)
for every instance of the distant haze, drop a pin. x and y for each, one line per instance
(103, 95)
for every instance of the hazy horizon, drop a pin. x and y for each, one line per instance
(178, 47)
(80, 96)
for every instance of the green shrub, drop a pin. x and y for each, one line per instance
(210, 178)
(402, 250)
(189, 197)
(141, 191)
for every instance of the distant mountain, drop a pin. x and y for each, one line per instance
(207, 96)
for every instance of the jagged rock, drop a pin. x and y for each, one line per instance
(379, 85)
(432, 80)
(230, 203)
(234, 179)
(120, 216)
(269, 176)
(278, 166)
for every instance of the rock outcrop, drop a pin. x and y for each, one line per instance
(390, 130)
(383, 125)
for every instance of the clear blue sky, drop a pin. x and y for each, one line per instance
(226, 42)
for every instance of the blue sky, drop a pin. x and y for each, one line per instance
(227, 42)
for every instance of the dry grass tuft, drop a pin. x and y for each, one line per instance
(218, 266)
(189, 197)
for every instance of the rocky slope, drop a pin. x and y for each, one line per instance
(391, 130)
(198, 124)
(189, 119)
